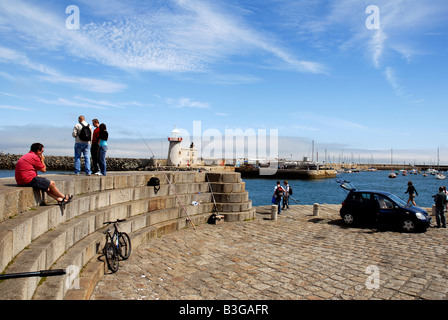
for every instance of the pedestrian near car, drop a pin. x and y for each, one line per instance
(279, 192)
(26, 174)
(412, 193)
(440, 200)
(82, 132)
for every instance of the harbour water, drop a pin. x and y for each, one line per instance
(321, 191)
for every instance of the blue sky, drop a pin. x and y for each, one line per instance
(310, 69)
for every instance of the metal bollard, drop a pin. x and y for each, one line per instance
(274, 211)
(315, 209)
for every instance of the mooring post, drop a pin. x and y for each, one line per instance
(315, 209)
(274, 210)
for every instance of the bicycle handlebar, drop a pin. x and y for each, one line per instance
(118, 220)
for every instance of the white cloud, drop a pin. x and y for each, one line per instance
(14, 108)
(180, 36)
(183, 103)
(51, 75)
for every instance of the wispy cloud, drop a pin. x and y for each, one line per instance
(327, 122)
(51, 75)
(14, 108)
(180, 36)
(182, 102)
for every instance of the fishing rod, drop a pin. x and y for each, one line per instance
(215, 209)
(296, 201)
(169, 182)
(42, 273)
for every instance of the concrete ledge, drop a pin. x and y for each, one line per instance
(44, 237)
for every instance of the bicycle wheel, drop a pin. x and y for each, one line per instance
(110, 252)
(124, 246)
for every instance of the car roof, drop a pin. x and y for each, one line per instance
(384, 193)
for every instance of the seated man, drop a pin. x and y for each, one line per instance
(26, 174)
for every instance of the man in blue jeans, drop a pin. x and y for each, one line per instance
(82, 132)
(440, 200)
(279, 192)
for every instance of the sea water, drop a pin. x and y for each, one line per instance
(321, 191)
(308, 192)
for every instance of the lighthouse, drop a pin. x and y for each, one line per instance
(174, 151)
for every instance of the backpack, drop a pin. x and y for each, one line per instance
(290, 190)
(85, 134)
(279, 191)
(154, 182)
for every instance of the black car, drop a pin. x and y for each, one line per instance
(381, 208)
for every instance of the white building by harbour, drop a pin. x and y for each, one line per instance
(178, 156)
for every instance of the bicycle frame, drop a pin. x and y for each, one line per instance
(118, 245)
(113, 237)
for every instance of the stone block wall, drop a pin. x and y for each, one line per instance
(36, 234)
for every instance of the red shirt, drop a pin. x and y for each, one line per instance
(96, 133)
(26, 168)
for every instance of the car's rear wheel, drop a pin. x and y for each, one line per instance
(408, 225)
(348, 219)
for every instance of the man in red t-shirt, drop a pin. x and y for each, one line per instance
(26, 174)
(94, 148)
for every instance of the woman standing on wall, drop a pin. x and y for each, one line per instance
(103, 136)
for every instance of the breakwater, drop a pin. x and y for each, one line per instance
(66, 163)
(287, 173)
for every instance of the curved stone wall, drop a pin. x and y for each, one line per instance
(34, 236)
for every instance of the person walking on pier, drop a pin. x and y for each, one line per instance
(412, 193)
(440, 200)
(82, 132)
(26, 174)
(286, 196)
(278, 194)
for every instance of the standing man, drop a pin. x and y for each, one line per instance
(440, 200)
(278, 194)
(82, 132)
(286, 196)
(94, 150)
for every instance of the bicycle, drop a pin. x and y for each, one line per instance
(118, 244)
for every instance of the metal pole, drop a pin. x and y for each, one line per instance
(42, 273)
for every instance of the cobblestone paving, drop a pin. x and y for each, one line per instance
(299, 256)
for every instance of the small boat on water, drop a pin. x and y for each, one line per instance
(440, 176)
(392, 175)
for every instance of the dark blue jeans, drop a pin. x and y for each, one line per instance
(103, 150)
(440, 216)
(82, 149)
(278, 201)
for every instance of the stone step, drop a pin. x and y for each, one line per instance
(45, 237)
(89, 251)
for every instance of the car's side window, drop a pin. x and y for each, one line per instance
(385, 203)
(365, 197)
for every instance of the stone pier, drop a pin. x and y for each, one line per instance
(37, 234)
